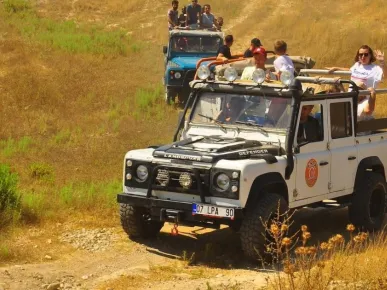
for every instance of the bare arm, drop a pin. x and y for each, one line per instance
(336, 68)
(379, 55)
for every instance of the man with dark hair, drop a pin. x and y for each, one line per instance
(194, 13)
(255, 43)
(224, 52)
(173, 15)
(309, 129)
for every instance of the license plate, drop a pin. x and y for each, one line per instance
(214, 211)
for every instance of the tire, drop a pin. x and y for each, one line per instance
(169, 97)
(134, 221)
(368, 208)
(252, 232)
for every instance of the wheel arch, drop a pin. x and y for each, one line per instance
(372, 163)
(272, 182)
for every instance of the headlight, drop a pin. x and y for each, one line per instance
(203, 72)
(142, 173)
(129, 163)
(223, 181)
(172, 64)
(230, 74)
(259, 76)
(286, 77)
(177, 75)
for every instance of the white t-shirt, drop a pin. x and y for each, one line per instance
(370, 74)
(282, 63)
(248, 71)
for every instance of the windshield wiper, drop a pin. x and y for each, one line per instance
(215, 121)
(252, 124)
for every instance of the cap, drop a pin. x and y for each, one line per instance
(260, 50)
(256, 42)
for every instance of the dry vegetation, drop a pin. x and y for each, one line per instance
(80, 84)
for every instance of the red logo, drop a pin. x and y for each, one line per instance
(311, 172)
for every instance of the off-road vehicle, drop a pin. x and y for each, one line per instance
(185, 48)
(241, 154)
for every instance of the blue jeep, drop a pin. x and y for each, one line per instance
(185, 48)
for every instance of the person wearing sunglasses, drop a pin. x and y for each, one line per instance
(364, 70)
(367, 76)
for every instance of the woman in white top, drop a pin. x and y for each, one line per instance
(366, 75)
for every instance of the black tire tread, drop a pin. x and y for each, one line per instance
(134, 225)
(252, 239)
(358, 210)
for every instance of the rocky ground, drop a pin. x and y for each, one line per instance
(94, 258)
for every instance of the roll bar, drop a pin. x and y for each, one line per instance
(325, 72)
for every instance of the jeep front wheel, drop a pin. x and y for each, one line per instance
(136, 222)
(254, 231)
(169, 96)
(368, 206)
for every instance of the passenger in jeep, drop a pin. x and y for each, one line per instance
(309, 129)
(224, 52)
(255, 43)
(173, 15)
(231, 111)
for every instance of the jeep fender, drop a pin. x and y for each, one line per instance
(371, 163)
(272, 182)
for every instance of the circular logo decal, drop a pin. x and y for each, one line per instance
(311, 172)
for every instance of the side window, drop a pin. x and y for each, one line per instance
(311, 127)
(341, 120)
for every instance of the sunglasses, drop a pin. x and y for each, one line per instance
(364, 54)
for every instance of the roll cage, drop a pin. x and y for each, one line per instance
(298, 91)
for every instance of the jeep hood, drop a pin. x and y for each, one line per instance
(214, 148)
(186, 62)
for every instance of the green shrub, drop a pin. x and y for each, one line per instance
(14, 6)
(41, 171)
(9, 197)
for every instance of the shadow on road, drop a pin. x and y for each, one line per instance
(222, 248)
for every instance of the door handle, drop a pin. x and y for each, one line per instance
(322, 163)
(351, 157)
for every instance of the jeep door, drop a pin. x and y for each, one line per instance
(313, 159)
(342, 146)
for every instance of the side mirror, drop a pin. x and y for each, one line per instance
(165, 49)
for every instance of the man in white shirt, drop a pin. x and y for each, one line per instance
(260, 57)
(282, 62)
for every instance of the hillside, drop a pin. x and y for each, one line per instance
(80, 85)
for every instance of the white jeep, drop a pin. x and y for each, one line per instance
(242, 153)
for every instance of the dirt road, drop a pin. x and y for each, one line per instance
(97, 258)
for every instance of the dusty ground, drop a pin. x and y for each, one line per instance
(103, 258)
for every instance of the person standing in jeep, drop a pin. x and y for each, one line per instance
(194, 12)
(173, 15)
(224, 52)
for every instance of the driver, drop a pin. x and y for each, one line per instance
(309, 128)
(231, 111)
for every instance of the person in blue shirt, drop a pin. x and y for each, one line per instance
(194, 12)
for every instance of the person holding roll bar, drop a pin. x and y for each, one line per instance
(366, 75)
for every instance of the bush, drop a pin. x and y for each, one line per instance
(9, 197)
(14, 6)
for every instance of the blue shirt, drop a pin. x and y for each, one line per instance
(192, 13)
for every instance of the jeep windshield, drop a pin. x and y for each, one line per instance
(242, 111)
(195, 44)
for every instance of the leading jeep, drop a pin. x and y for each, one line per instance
(240, 157)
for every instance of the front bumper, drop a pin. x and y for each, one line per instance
(175, 211)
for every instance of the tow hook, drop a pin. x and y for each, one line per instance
(174, 230)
